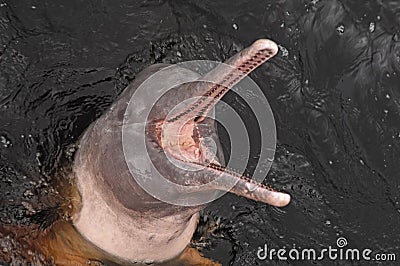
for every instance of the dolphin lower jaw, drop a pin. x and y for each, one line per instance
(213, 177)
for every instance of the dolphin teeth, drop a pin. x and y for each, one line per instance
(251, 187)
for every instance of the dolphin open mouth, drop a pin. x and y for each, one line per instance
(179, 137)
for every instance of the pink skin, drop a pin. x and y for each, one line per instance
(179, 137)
(116, 214)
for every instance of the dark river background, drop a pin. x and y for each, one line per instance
(334, 89)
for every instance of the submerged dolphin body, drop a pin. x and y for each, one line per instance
(117, 215)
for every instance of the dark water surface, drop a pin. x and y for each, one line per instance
(334, 89)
